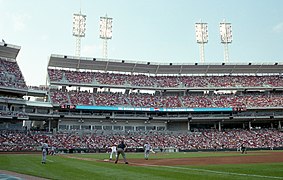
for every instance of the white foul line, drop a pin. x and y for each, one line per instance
(49, 160)
(212, 171)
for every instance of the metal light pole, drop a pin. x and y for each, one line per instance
(201, 38)
(79, 28)
(105, 32)
(226, 38)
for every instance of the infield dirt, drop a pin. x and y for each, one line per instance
(268, 157)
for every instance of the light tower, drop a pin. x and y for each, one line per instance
(201, 37)
(105, 32)
(226, 38)
(79, 27)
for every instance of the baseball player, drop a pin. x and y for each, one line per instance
(113, 151)
(52, 151)
(121, 148)
(243, 149)
(147, 148)
(44, 149)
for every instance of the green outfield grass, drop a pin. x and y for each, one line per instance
(60, 167)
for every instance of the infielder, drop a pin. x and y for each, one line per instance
(52, 151)
(113, 151)
(44, 149)
(147, 148)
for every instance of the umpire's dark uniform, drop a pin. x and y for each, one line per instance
(244, 149)
(121, 150)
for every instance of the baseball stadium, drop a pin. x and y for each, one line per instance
(199, 120)
(187, 114)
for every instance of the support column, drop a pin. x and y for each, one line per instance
(189, 127)
(271, 125)
(250, 125)
(49, 125)
(279, 125)
(58, 125)
(219, 126)
(166, 125)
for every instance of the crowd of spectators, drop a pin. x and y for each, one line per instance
(11, 75)
(79, 77)
(80, 98)
(110, 99)
(59, 97)
(164, 81)
(201, 139)
(110, 78)
(55, 75)
(151, 100)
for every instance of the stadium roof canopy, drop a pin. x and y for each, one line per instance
(83, 63)
(9, 51)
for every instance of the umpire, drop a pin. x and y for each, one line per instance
(121, 148)
(243, 149)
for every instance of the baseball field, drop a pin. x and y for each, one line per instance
(160, 166)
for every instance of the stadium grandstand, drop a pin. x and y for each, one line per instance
(89, 103)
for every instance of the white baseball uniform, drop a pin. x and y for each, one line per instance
(113, 151)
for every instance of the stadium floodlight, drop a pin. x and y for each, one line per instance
(105, 32)
(79, 28)
(226, 37)
(201, 37)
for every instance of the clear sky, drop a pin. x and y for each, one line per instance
(159, 31)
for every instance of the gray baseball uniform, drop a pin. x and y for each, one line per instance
(146, 150)
(44, 152)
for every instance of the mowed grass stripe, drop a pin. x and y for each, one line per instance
(263, 169)
(207, 172)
